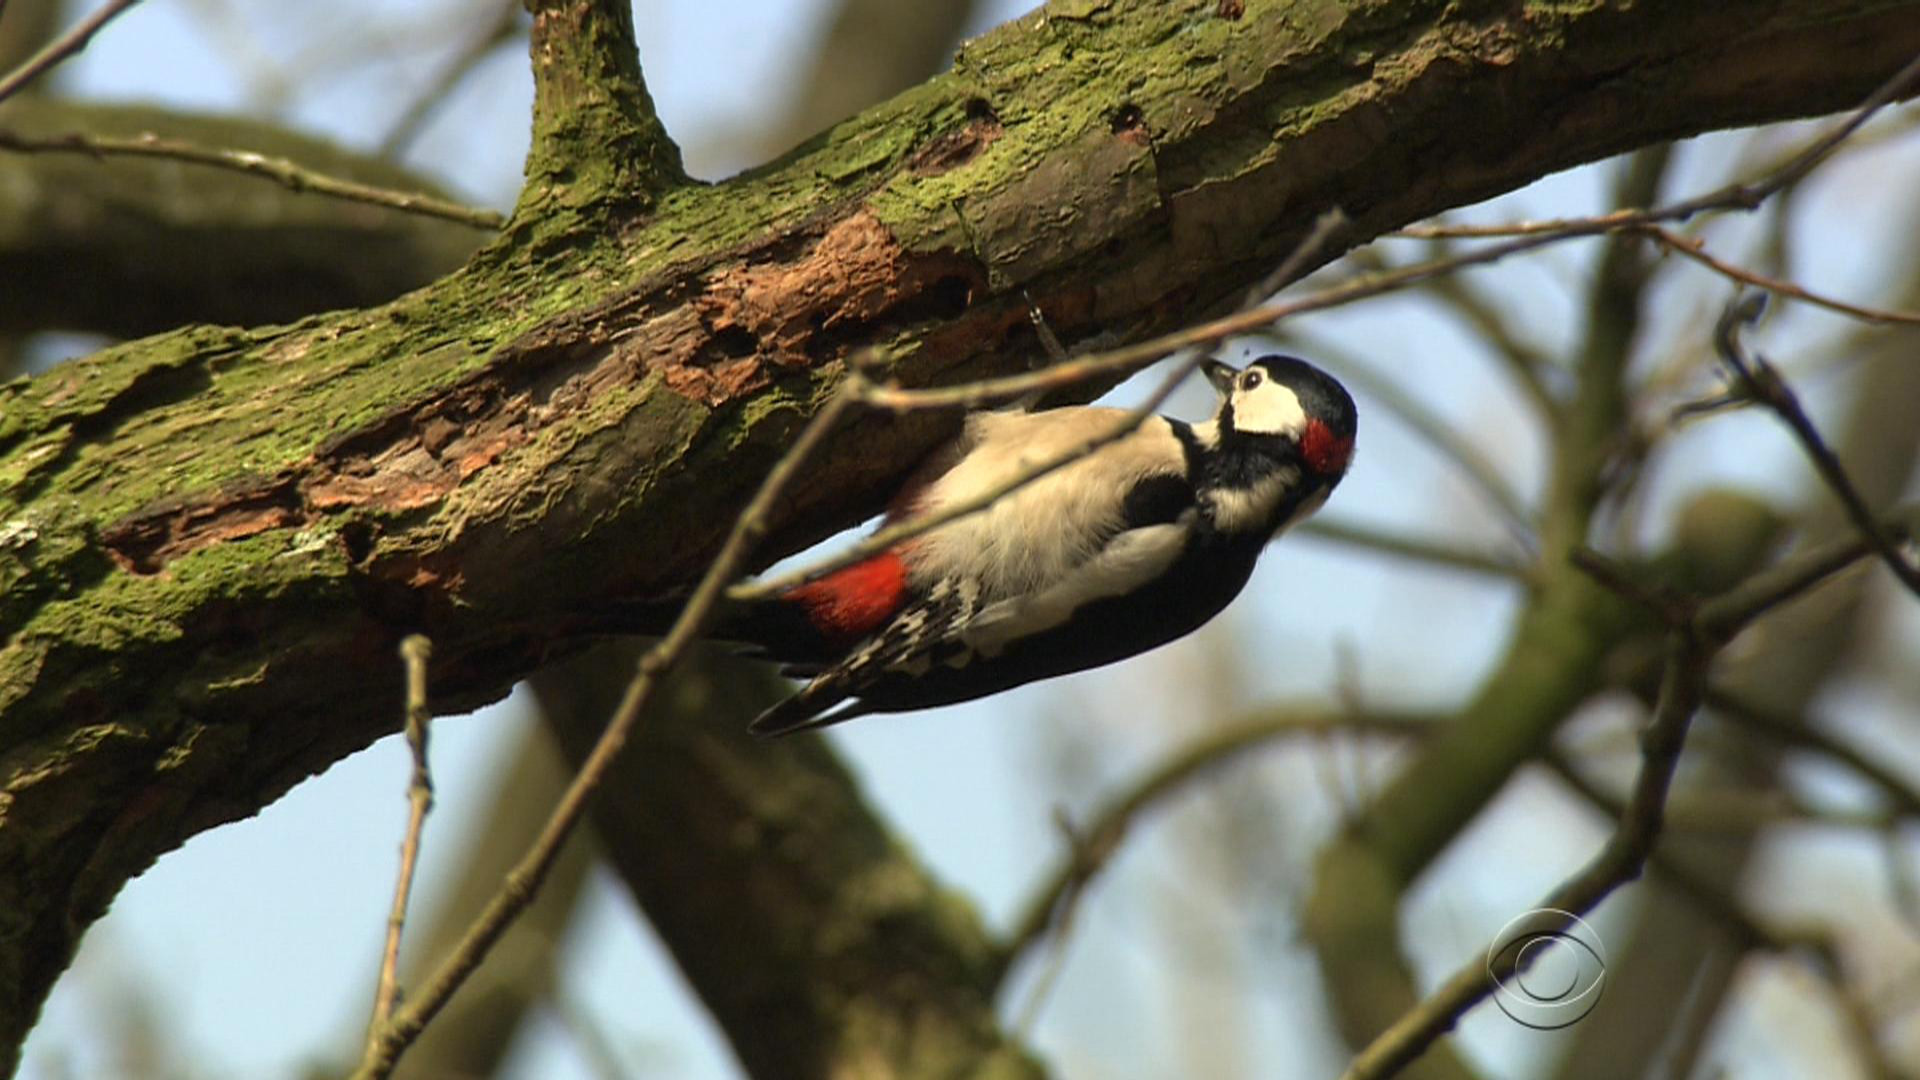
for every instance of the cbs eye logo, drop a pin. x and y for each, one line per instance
(1548, 968)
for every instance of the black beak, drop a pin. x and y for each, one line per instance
(1220, 375)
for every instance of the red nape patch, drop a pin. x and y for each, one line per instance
(1325, 453)
(852, 603)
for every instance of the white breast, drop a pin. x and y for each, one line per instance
(1035, 537)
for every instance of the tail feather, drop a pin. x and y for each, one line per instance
(781, 630)
(807, 709)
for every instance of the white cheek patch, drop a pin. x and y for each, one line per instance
(1269, 409)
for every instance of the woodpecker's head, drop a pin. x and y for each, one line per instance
(1291, 405)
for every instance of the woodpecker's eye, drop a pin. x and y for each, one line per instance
(1250, 380)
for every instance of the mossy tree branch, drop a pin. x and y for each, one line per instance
(597, 140)
(211, 540)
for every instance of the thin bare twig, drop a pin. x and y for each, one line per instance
(1904, 796)
(278, 169)
(1133, 357)
(1730, 612)
(1796, 169)
(1325, 228)
(61, 47)
(1698, 631)
(524, 880)
(1617, 863)
(1096, 844)
(1671, 609)
(1524, 361)
(1759, 379)
(1417, 549)
(1720, 618)
(1703, 892)
(410, 123)
(1741, 195)
(415, 650)
(1694, 248)
(1814, 945)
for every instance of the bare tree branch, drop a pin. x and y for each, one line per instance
(1099, 839)
(415, 651)
(1617, 863)
(1816, 946)
(1756, 378)
(1901, 792)
(62, 47)
(99, 248)
(1418, 549)
(523, 882)
(1694, 247)
(1698, 632)
(287, 174)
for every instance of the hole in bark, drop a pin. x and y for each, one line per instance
(944, 298)
(824, 346)
(948, 297)
(358, 538)
(736, 341)
(1129, 120)
(952, 149)
(1021, 339)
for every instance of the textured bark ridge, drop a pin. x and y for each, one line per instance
(210, 540)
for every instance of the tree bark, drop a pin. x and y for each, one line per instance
(210, 540)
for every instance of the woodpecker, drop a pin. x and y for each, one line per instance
(1126, 549)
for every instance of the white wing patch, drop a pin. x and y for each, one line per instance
(1034, 538)
(1132, 559)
